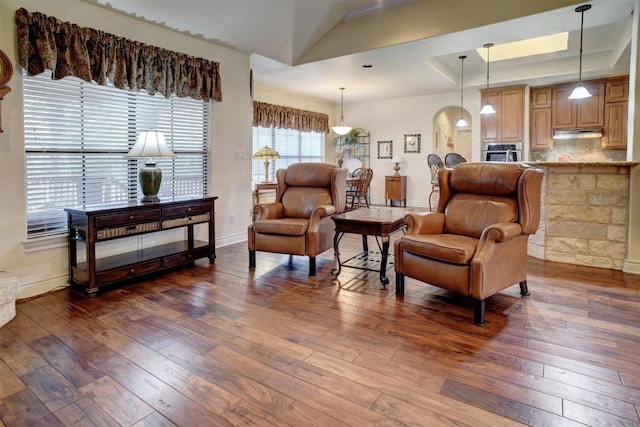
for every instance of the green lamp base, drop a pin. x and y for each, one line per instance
(150, 178)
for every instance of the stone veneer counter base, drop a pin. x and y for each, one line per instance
(584, 213)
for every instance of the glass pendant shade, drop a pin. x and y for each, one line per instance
(461, 123)
(342, 128)
(581, 92)
(488, 108)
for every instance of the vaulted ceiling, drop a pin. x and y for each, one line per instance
(313, 47)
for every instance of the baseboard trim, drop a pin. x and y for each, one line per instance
(230, 240)
(631, 267)
(42, 287)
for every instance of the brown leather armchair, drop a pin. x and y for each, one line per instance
(475, 244)
(299, 221)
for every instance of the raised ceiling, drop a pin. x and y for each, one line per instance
(313, 47)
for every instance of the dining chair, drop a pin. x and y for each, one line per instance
(435, 163)
(359, 190)
(452, 159)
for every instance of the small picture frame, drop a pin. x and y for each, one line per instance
(412, 143)
(385, 149)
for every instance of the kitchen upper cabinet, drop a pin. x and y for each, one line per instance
(617, 90)
(540, 97)
(615, 117)
(541, 133)
(578, 113)
(507, 124)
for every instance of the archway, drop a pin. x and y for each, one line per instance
(447, 138)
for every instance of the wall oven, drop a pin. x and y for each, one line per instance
(501, 152)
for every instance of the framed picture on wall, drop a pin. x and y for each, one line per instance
(412, 143)
(385, 149)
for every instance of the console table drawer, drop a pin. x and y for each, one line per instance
(182, 210)
(127, 218)
(129, 272)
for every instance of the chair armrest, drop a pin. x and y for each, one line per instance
(501, 232)
(267, 211)
(424, 222)
(318, 213)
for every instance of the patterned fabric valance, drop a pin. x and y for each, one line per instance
(46, 43)
(269, 115)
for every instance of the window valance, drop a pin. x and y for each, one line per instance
(46, 43)
(269, 115)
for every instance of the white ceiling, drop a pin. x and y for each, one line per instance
(281, 33)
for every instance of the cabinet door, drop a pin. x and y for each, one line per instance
(564, 111)
(490, 123)
(512, 115)
(616, 91)
(615, 129)
(392, 187)
(541, 97)
(591, 110)
(541, 137)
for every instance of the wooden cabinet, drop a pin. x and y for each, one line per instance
(90, 228)
(508, 123)
(617, 90)
(541, 133)
(578, 113)
(395, 188)
(615, 117)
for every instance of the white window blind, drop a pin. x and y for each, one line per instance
(76, 136)
(292, 145)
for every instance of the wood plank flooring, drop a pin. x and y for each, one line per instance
(218, 345)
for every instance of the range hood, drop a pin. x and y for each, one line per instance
(577, 134)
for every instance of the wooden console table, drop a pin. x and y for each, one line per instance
(89, 227)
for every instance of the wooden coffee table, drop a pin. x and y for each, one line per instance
(378, 222)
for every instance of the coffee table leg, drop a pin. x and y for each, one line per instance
(383, 262)
(336, 241)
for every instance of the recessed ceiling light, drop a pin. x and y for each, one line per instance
(367, 66)
(529, 47)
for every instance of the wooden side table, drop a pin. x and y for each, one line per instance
(266, 187)
(395, 188)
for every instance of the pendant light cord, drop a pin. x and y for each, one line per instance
(462, 85)
(341, 106)
(581, 31)
(488, 45)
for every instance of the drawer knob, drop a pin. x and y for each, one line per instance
(131, 216)
(189, 209)
(133, 270)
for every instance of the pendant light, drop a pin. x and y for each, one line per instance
(342, 128)
(462, 123)
(488, 108)
(581, 92)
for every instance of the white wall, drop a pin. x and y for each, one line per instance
(46, 268)
(392, 119)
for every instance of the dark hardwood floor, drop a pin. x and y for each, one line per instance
(218, 345)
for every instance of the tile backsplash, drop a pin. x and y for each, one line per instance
(578, 150)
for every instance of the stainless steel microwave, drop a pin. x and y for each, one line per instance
(502, 152)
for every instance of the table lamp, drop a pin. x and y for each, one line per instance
(266, 154)
(396, 160)
(150, 144)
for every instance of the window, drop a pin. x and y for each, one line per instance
(76, 136)
(292, 145)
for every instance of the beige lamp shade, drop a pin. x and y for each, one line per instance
(266, 154)
(150, 144)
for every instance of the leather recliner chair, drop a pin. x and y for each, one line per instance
(475, 244)
(299, 221)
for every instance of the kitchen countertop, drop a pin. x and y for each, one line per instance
(582, 163)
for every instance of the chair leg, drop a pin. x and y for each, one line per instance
(524, 289)
(399, 283)
(252, 260)
(312, 266)
(478, 312)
